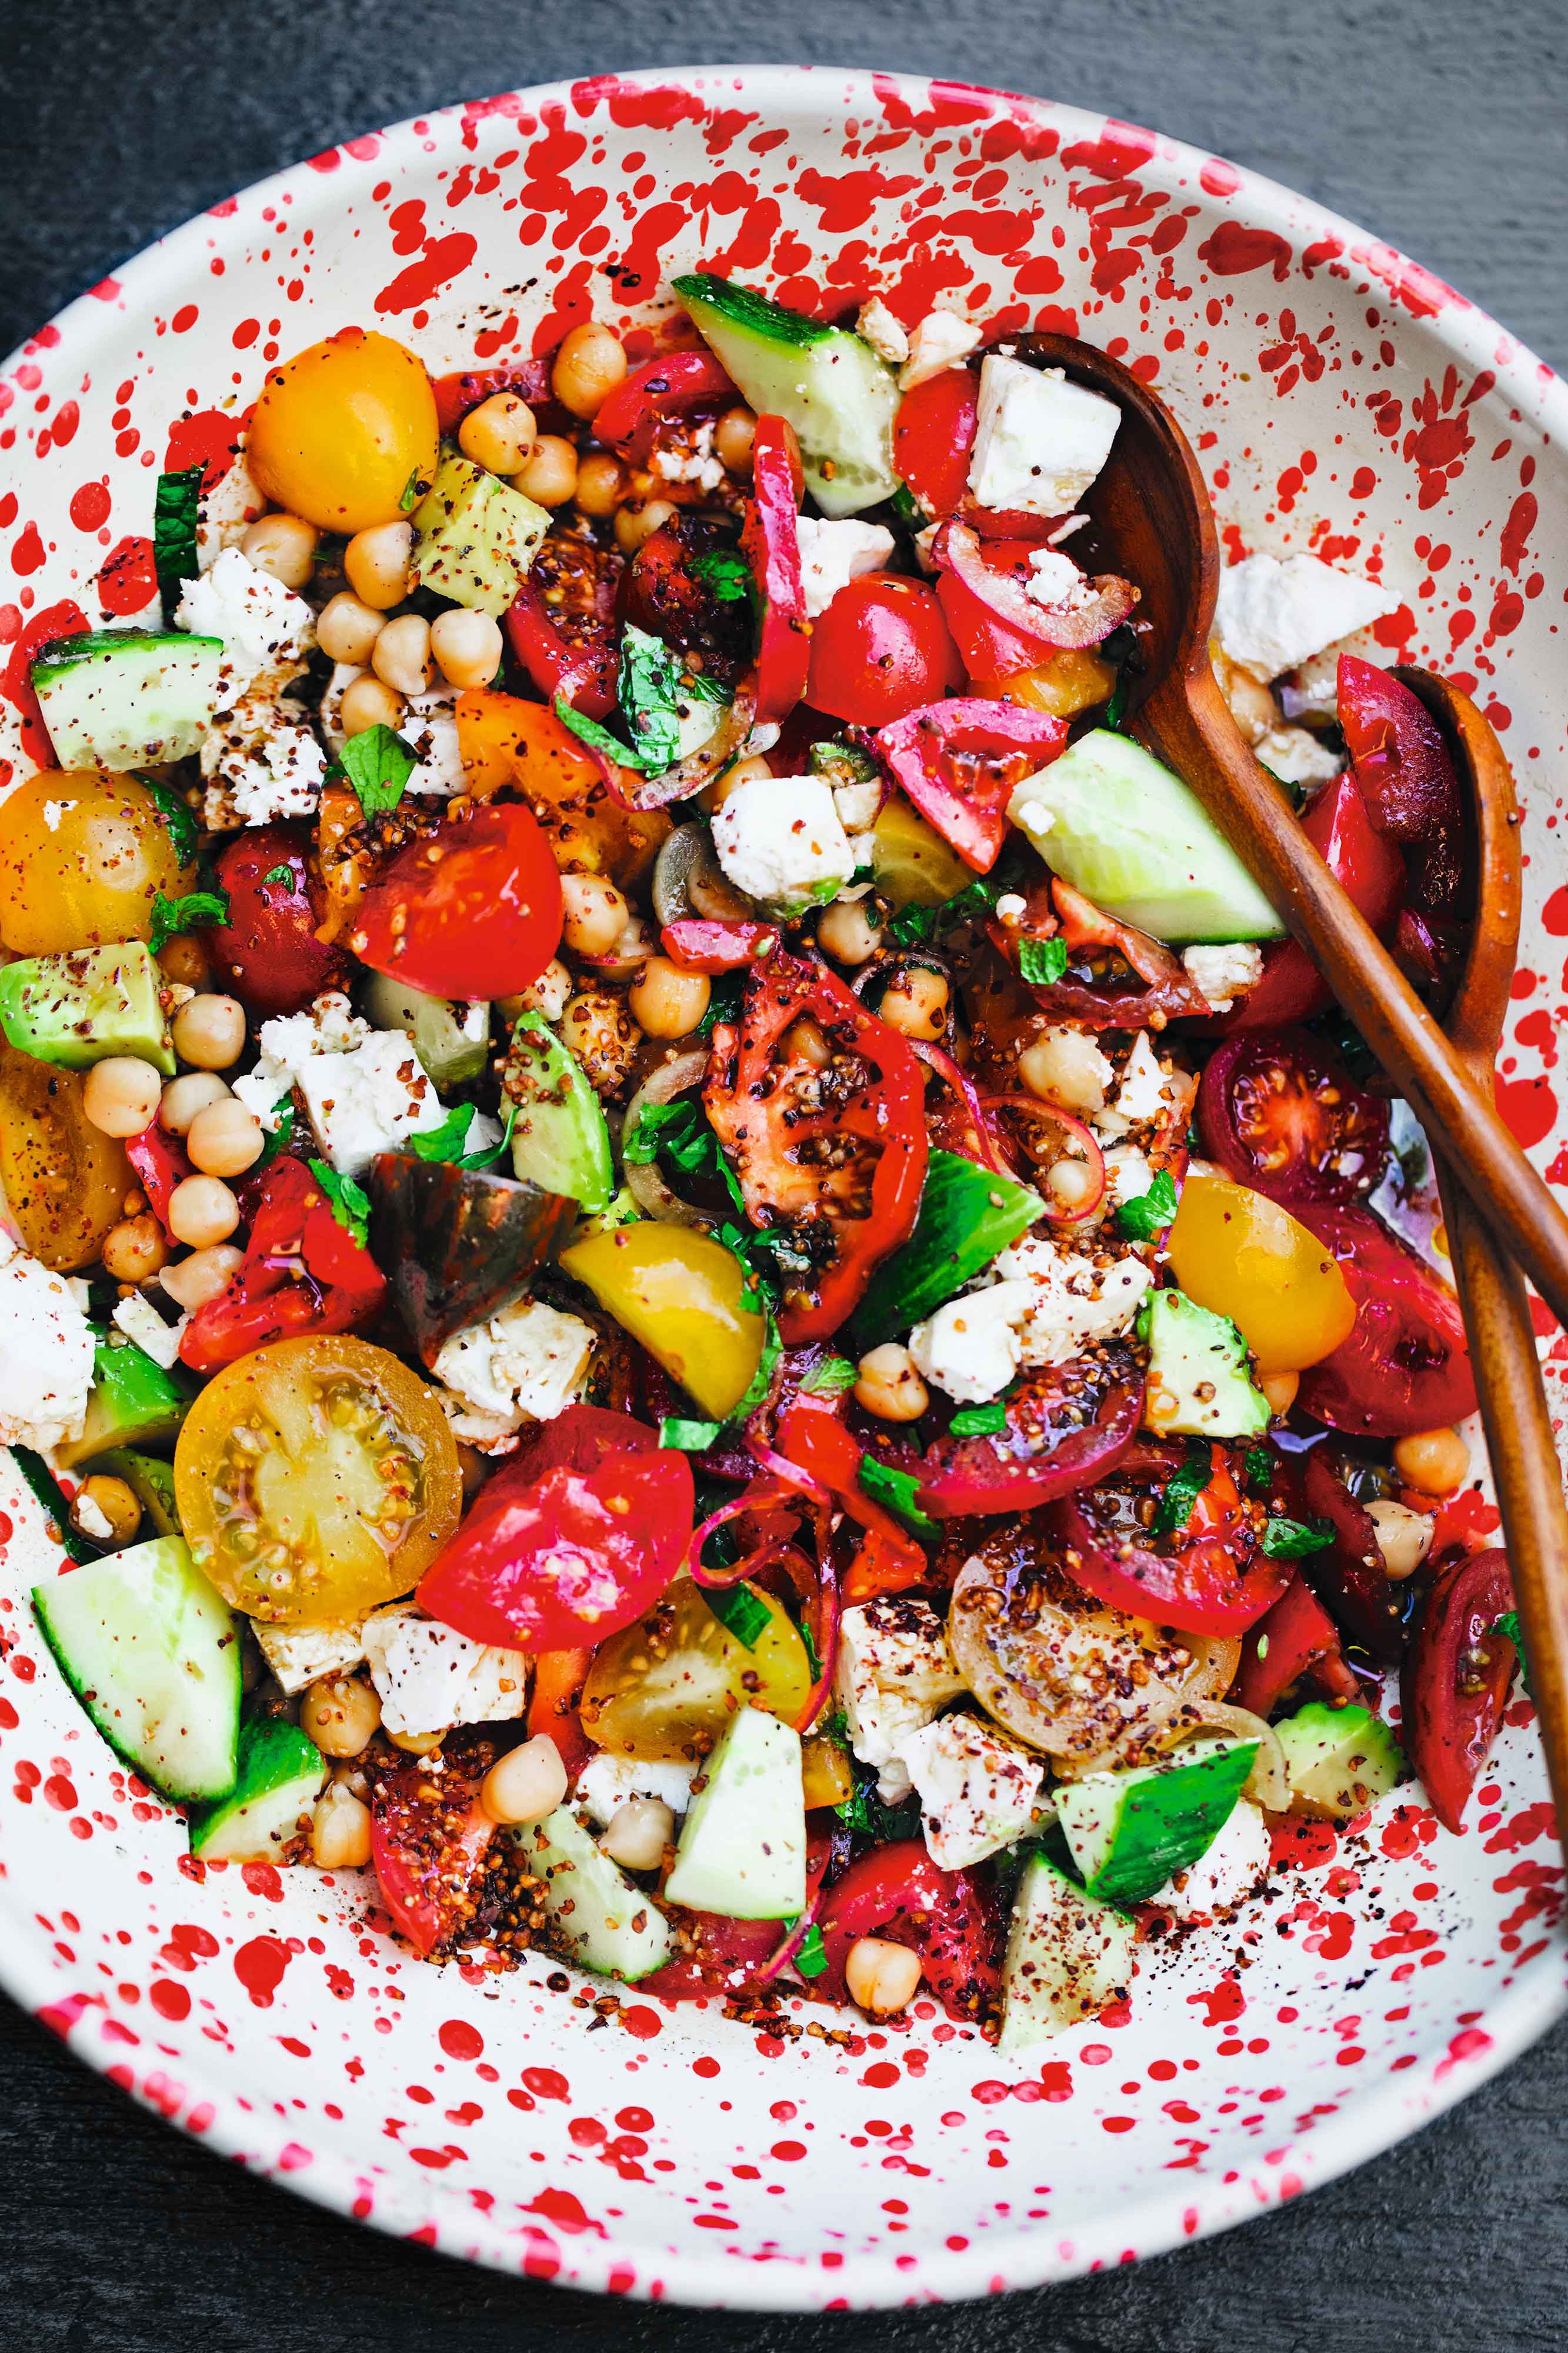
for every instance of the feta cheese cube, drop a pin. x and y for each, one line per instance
(780, 840)
(894, 1672)
(300, 1655)
(607, 1782)
(1226, 1875)
(978, 1792)
(943, 340)
(1149, 1089)
(858, 805)
(969, 1347)
(1039, 441)
(429, 1677)
(1128, 1173)
(1271, 615)
(368, 1099)
(1296, 756)
(46, 1364)
(834, 553)
(267, 629)
(225, 513)
(261, 761)
(430, 728)
(1224, 971)
(883, 332)
(140, 1321)
(528, 1361)
(1072, 1301)
(289, 1041)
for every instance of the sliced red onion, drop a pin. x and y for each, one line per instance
(641, 793)
(1084, 618)
(1081, 1134)
(944, 1064)
(780, 1960)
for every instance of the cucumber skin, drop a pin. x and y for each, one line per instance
(754, 314)
(274, 1757)
(560, 1842)
(85, 731)
(958, 1232)
(565, 1096)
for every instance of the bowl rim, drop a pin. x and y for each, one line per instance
(1376, 2120)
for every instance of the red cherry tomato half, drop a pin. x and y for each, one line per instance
(949, 1917)
(1297, 1637)
(1456, 1678)
(1206, 1577)
(571, 1541)
(1372, 873)
(1349, 1578)
(724, 1956)
(667, 386)
(427, 1852)
(1067, 1425)
(481, 920)
(268, 954)
(1405, 1365)
(703, 944)
(562, 627)
(1403, 767)
(933, 434)
(880, 651)
(961, 762)
(1279, 1114)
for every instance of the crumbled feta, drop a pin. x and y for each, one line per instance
(429, 1677)
(693, 461)
(45, 1366)
(1011, 907)
(91, 1519)
(1296, 756)
(969, 1347)
(140, 1321)
(1226, 1875)
(883, 332)
(429, 727)
(529, 1360)
(941, 340)
(367, 1100)
(607, 1782)
(225, 513)
(1224, 972)
(1128, 1173)
(978, 1792)
(1071, 1300)
(1033, 817)
(858, 805)
(261, 761)
(300, 1655)
(834, 553)
(894, 1672)
(289, 1041)
(267, 629)
(1271, 615)
(1148, 1091)
(780, 840)
(1039, 441)
(1056, 583)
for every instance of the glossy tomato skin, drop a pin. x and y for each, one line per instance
(1067, 1425)
(428, 1851)
(268, 954)
(1240, 1254)
(665, 594)
(1349, 1578)
(933, 435)
(1457, 1679)
(1209, 1578)
(1412, 793)
(1280, 1114)
(949, 1917)
(345, 432)
(1405, 1365)
(1295, 1637)
(1372, 871)
(302, 1271)
(562, 626)
(483, 920)
(879, 651)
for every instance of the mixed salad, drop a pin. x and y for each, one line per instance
(695, 1270)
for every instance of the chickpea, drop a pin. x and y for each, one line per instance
(1069, 1183)
(340, 1714)
(135, 1249)
(890, 1385)
(597, 1028)
(849, 931)
(184, 1099)
(601, 483)
(369, 702)
(340, 1830)
(183, 961)
(916, 1005)
(202, 1210)
(105, 1509)
(401, 655)
(804, 1042)
(634, 524)
(121, 1094)
(1404, 1535)
(881, 1977)
(283, 545)
(526, 1784)
(713, 797)
(1279, 1388)
(192, 1281)
(225, 1139)
(665, 1001)
(467, 647)
(500, 434)
(588, 366)
(1065, 1066)
(376, 564)
(639, 1833)
(550, 477)
(346, 629)
(732, 438)
(415, 1743)
(209, 1032)
(549, 995)
(1433, 1461)
(595, 914)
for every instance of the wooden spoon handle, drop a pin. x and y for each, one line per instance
(1194, 733)
(1526, 1469)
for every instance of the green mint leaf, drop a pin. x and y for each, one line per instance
(913, 926)
(597, 738)
(413, 492)
(899, 1490)
(1508, 1625)
(980, 1420)
(1259, 1469)
(728, 576)
(349, 1202)
(830, 1378)
(649, 688)
(907, 507)
(446, 1143)
(1148, 1213)
(698, 687)
(1042, 961)
(281, 1136)
(1115, 710)
(1175, 1507)
(687, 1437)
(811, 1954)
(743, 1612)
(198, 911)
(724, 1004)
(1294, 1539)
(378, 764)
(184, 835)
(176, 509)
(284, 874)
(660, 1127)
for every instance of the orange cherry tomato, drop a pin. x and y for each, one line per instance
(344, 434)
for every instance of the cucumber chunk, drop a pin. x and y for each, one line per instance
(1067, 1956)
(133, 1402)
(1200, 1375)
(120, 698)
(442, 1032)
(1116, 824)
(742, 1844)
(966, 1215)
(78, 1008)
(1341, 1760)
(1130, 1833)
(475, 537)
(153, 1653)
(602, 1918)
(278, 1776)
(840, 397)
(560, 1141)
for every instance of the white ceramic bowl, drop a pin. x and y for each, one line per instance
(1344, 400)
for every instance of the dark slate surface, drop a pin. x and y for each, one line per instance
(1442, 127)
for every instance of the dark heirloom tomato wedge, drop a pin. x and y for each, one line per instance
(1350, 1578)
(1403, 767)
(1208, 1578)
(1068, 1425)
(562, 626)
(1297, 1637)
(1457, 1679)
(428, 1850)
(933, 435)
(950, 1918)
(578, 1535)
(268, 954)
(1406, 1365)
(1279, 1114)
(834, 1157)
(668, 592)
(474, 911)
(1372, 873)
(881, 648)
(960, 762)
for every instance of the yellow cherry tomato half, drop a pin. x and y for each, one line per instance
(83, 855)
(63, 1180)
(344, 434)
(1073, 680)
(1240, 1254)
(682, 1295)
(670, 1684)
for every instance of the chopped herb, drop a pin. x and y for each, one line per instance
(281, 1136)
(745, 1613)
(1294, 1539)
(446, 1142)
(811, 1954)
(1175, 1508)
(284, 874)
(1259, 1469)
(864, 1813)
(413, 492)
(1042, 961)
(184, 836)
(1148, 1214)
(378, 764)
(728, 576)
(1413, 1163)
(681, 1134)
(914, 926)
(724, 1003)
(176, 509)
(1508, 1625)
(907, 507)
(830, 1378)
(687, 1437)
(350, 1203)
(597, 738)
(198, 911)
(1115, 710)
(886, 1483)
(980, 1420)
(650, 691)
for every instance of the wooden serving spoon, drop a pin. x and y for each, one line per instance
(1526, 1469)
(1152, 506)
